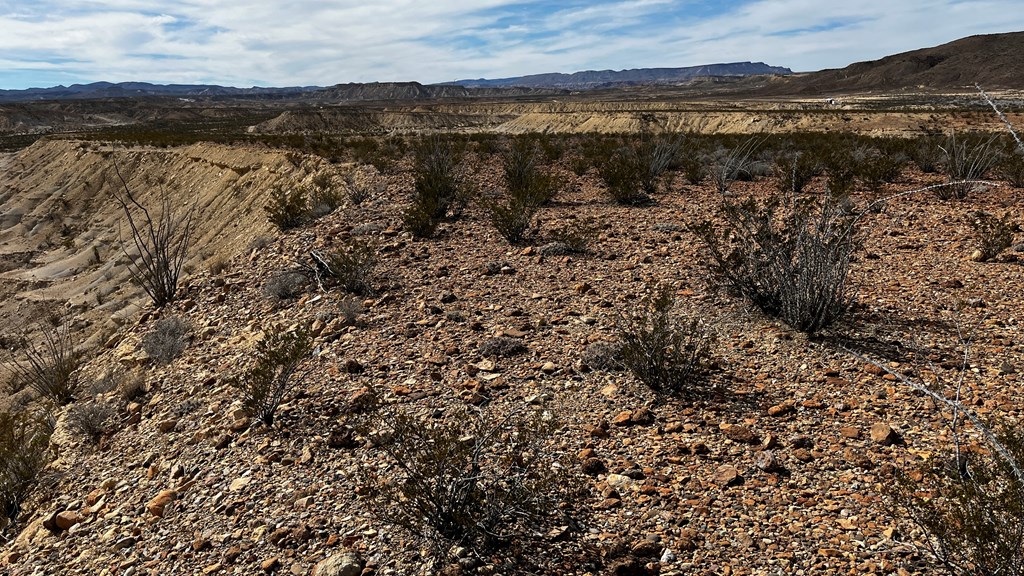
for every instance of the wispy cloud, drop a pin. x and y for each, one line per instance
(303, 42)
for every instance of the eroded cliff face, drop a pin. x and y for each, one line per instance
(63, 236)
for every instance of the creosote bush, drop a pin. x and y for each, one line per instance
(324, 196)
(287, 208)
(167, 340)
(23, 455)
(491, 486)
(667, 353)
(350, 267)
(796, 170)
(48, 362)
(527, 188)
(632, 173)
(992, 234)
(439, 187)
(789, 256)
(268, 380)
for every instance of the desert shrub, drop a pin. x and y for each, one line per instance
(992, 234)
(162, 242)
(285, 285)
(965, 161)
(268, 379)
(667, 353)
(324, 196)
(217, 265)
(167, 340)
(927, 154)
(525, 179)
(92, 420)
(790, 257)
(730, 165)
(512, 218)
(287, 208)
(439, 187)
(359, 192)
(350, 309)
(350, 267)
(492, 486)
(1010, 167)
(576, 235)
(502, 347)
(796, 170)
(48, 362)
(23, 455)
(875, 168)
(131, 386)
(603, 356)
(970, 506)
(632, 173)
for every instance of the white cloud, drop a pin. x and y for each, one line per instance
(316, 42)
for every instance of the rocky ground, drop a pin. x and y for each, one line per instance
(778, 469)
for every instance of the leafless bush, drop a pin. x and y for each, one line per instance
(162, 242)
(965, 162)
(265, 383)
(350, 309)
(285, 285)
(167, 340)
(736, 164)
(577, 234)
(350, 268)
(603, 356)
(790, 257)
(502, 347)
(91, 419)
(667, 353)
(487, 485)
(48, 362)
(992, 234)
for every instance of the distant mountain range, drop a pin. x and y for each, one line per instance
(538, 84)
(591, 79)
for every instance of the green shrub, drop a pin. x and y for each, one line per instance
(493, 487)
(790, 257)
(633, 172)
(1010, 167)
(287, 208)
(439, 187)
(796, 170)
(876, 168)
(268, 380)
(668, 354)
(324, 196)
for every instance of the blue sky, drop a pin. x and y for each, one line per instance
(324, 42)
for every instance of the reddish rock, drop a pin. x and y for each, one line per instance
(159, 503)
(882, 433)
(727, 475)
(65, 520)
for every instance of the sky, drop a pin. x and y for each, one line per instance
(325, 42)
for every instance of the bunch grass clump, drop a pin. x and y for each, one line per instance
(48, 362)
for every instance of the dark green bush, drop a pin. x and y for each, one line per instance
(287, 208)
(268, 380)
(875, 168)
(790, 257)
(440, 188)
(632, 173)
(493, 487)
(667, 353)
(796, 170)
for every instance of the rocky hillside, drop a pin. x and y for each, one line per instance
(776, 464)
(990, 60)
